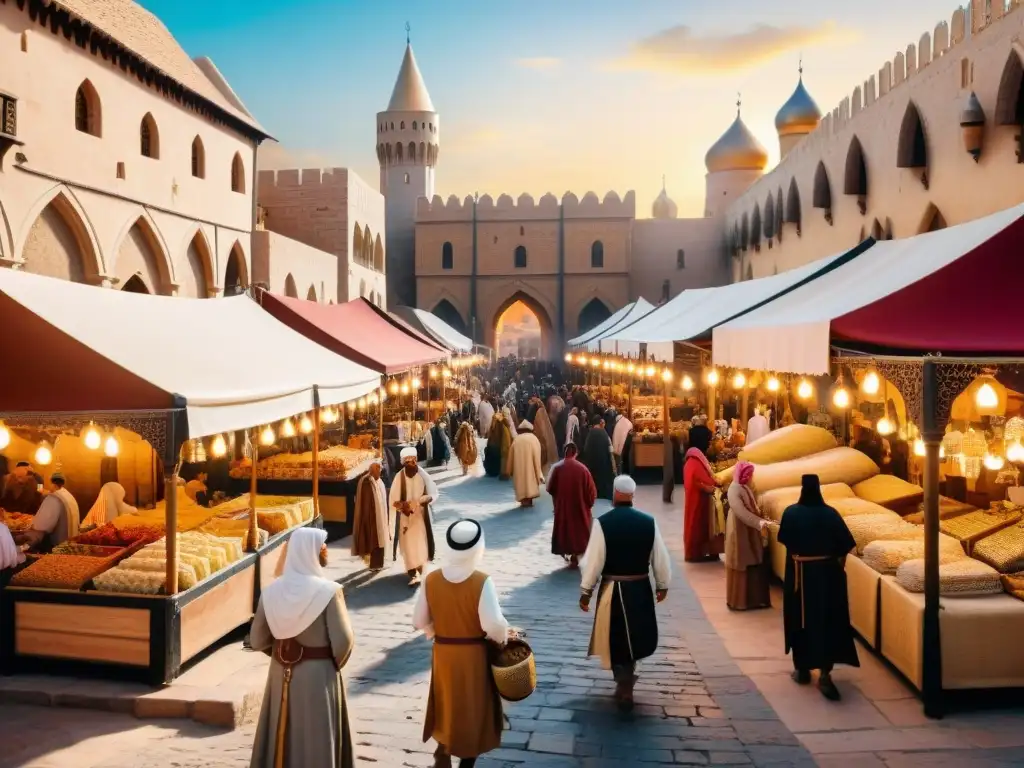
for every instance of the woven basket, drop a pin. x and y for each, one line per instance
(517, 681)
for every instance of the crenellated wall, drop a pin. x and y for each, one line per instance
(525, 208)
(889, 159)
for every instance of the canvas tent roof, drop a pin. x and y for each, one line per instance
(616, 318)
(693, 313)
(594, 341)
(356, 330)
(436, 328)
(75, 348)
(955, 292)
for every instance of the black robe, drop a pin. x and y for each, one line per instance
(817, 622)
(561, 424)
(441, 447)
(610, 417)
(597, 455)
(700, 438)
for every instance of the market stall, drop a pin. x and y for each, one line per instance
(361, 332)
(434, 328)
(905, 313)
(142, 595)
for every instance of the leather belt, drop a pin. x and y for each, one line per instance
(290, 652)
(636, 577)
(460, 640)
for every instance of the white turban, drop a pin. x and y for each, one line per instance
(465, 539)
(407, 453)
(526, 425)
(625, 485)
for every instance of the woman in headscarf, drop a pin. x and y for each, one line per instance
(700, 542)
(458, 608)
(302, 622)
(110, 504)
(465, 446)
(498, 443)
(546, 434)
(746, 569)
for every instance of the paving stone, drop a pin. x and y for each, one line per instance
(559, 743)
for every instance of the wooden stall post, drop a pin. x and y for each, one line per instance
(745, 403)
(931, 636)
(316, 452)
(254, 529)
(629, 404)
(711, 401)
(380, 415)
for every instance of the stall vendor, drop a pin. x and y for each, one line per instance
(21, 491)
(197, 491)
(56, 521)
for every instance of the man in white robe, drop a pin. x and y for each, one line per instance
(57, 519)
(524, 465)
(372, 525)
(412, 493)
(625, 546)
(757, 427)
(623, 427)
(485, 413)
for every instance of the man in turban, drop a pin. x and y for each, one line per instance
(625, 546)
(524, 465)
(371, 526)
(412, 493)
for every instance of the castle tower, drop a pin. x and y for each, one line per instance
(664, 207)
(734, 162)
(797, 118)
(408, 137)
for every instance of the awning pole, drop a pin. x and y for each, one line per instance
(932, 434)
(316, 452)
(254, 530)
(380, 415)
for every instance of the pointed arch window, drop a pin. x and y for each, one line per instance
(680, 259)
(149, 137)
(237, 174)
(520, 257)
(198, 158)
(88, 116)
(447, 256)
(597, 255)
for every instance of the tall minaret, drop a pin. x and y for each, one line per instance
(408, 136)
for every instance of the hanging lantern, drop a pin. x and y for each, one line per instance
(687, 383)
(871, 383)
(305, 424)
(287, 428)
(267, 436)
(630, 368)
(804, 390)
(713, 377)
(841, 398)
(650, 371)
(568, 357)
(919, 447)
(595, 362)
(582, 359)
(1015, 452)
(446, 373)
(739, 381)
(986, 396)
(666, 375)
(44, 454)
(884, 426)
(92, 437)
(772, 385)
(405, 388)
(5, 436)
(433, 373)
(993, 462)
(416, 383)
(111, 447)
(218, 447)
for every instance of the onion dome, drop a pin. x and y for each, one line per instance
(737, 150)
(800, 114)
(664, 207)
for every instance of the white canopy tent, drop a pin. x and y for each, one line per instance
(793, 332)
(596, 332)
(443, 332)
(599, 342)
(228, 364)
(695, 312)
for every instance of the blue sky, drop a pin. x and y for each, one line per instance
(539, 96)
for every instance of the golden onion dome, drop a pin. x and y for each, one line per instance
(664, 207)
(799, 115)
(737, 150)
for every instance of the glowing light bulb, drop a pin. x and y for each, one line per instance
(630, 368)
(804, 390)
(362, 403)
(595, 363)
(44, 454)
(739, 381)
(287, 428)
(393, 388)
(993, 462)
(306, 424)
(1015, 452)
(772, 385)
(111, 447)
(219, 446)
(650, 371)
(433, 373)
(446, 373)
(405, 388)
(986, 396)
(351, 405)
(687, 383)
(713, 377)
(884, 427)
(841, 398)
(582, 359)
(5, 436)
(871, 383)
(919, 447)
(383, 395)
(568, 357)
(666, 375)
(416, 383)
(267, 436)
(92, 437)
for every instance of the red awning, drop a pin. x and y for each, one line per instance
(356, 330)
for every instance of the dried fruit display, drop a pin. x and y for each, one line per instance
(60, 572)
(88, 550)
(339, 462)
(16, 522)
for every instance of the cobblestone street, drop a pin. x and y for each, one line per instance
(695, 705)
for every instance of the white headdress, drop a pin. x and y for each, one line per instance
(294, 601)
(625, 485)
(526, 425)
(465, 541)
(407, 453)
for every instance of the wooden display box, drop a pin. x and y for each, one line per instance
(646, 455)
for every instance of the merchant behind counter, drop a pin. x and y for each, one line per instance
(19, 491)
(56, 521)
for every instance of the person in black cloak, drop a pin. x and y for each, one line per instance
(561, 424)
(816, 611)
(597, 455)
(610, 417)
(700, 435)
(442, 446)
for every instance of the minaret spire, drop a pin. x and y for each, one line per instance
(739, 103)
(408, 30)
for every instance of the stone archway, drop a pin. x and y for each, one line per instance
(539, 312)
(141, 254)
(593, 314)
(197, 279)
(58, 243)
(447, 312)
(236, 275)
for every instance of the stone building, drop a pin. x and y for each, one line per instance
(931, 140)
(123, 162)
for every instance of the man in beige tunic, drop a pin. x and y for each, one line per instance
(302, 622)
(371, 526)
(524, 465)
(412, 493)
